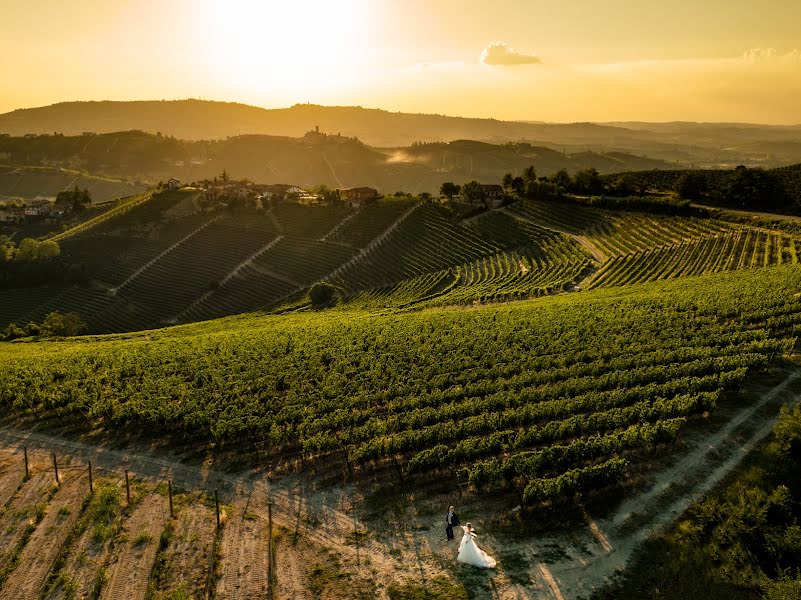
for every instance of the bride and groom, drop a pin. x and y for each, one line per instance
(469, 552)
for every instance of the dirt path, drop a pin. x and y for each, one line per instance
(244, 555)
(188, 554)
(129, 575)
(21, 512)
(11, 474)
(291, 567)
(618, 536)
(28, 579)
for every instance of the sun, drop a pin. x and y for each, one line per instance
(302, 45)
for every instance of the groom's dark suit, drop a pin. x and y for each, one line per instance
(451, 521)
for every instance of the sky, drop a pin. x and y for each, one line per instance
(537, 60)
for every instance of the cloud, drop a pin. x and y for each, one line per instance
(500, 54)
(758, 55)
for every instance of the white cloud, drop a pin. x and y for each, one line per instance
(758, 55)
(500, 54)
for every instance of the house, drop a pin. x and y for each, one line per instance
(493, 194)
(12, 214)
(38, 207)
(358, 195)
(278, 191)
(172, 184)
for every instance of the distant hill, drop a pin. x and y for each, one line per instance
(30, 182)
(308, 160)
(689, 144)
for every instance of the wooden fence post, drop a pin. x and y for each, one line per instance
(169, 492)
(355, 530)
(270, 549)
(55, 468)
(91, 483)
(27, 471)
(217, 507)
(127, 489)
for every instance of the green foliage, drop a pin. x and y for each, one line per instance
(103, 513)
(75, 199)
(692, 186)
(58, 324)
(740, 541)
(449, 189)
(472, 193)
(323, 294)
(29, 250)
(575, 373)
(437, 589)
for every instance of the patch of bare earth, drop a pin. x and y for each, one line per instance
(20, 513)
(187, 557)
(29, 577)
(129, 573)
(85, 561)
(11, 474)
(243, 551)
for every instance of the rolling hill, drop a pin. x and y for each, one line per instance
(689, 144)
(544, 361)
(29, 182)
(309, 160)
(166, 258)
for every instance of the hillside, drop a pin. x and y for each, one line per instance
(168, 258)
(309, 160)
(559, 357)
(29, 182)
(698, 144)
(528, 402)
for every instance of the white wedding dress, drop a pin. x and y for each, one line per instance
(471, 554)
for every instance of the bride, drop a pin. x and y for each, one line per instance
(470, 553)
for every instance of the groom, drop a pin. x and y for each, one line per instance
(451, 520)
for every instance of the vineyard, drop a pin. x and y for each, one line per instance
(158, 259)
(550, 399)
(73, 529)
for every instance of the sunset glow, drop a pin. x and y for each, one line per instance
(547, 60)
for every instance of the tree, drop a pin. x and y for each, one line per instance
(691, 186)
(6, 248)
(507, 181)
(588, 182)
(529, 175)
(12, 332)
(47, 250)
(75, 199)
(322, 294)
(449, 189)
(518, 186)
(561, 179)
(752, 188)
(225, 178)
(26, 251)
(67, 324)
(473, 193)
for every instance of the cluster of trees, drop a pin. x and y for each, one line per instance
(742, 188)
(75, 200)
(32, 262)
(54, 324)
(29, 250)
(529, 185)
